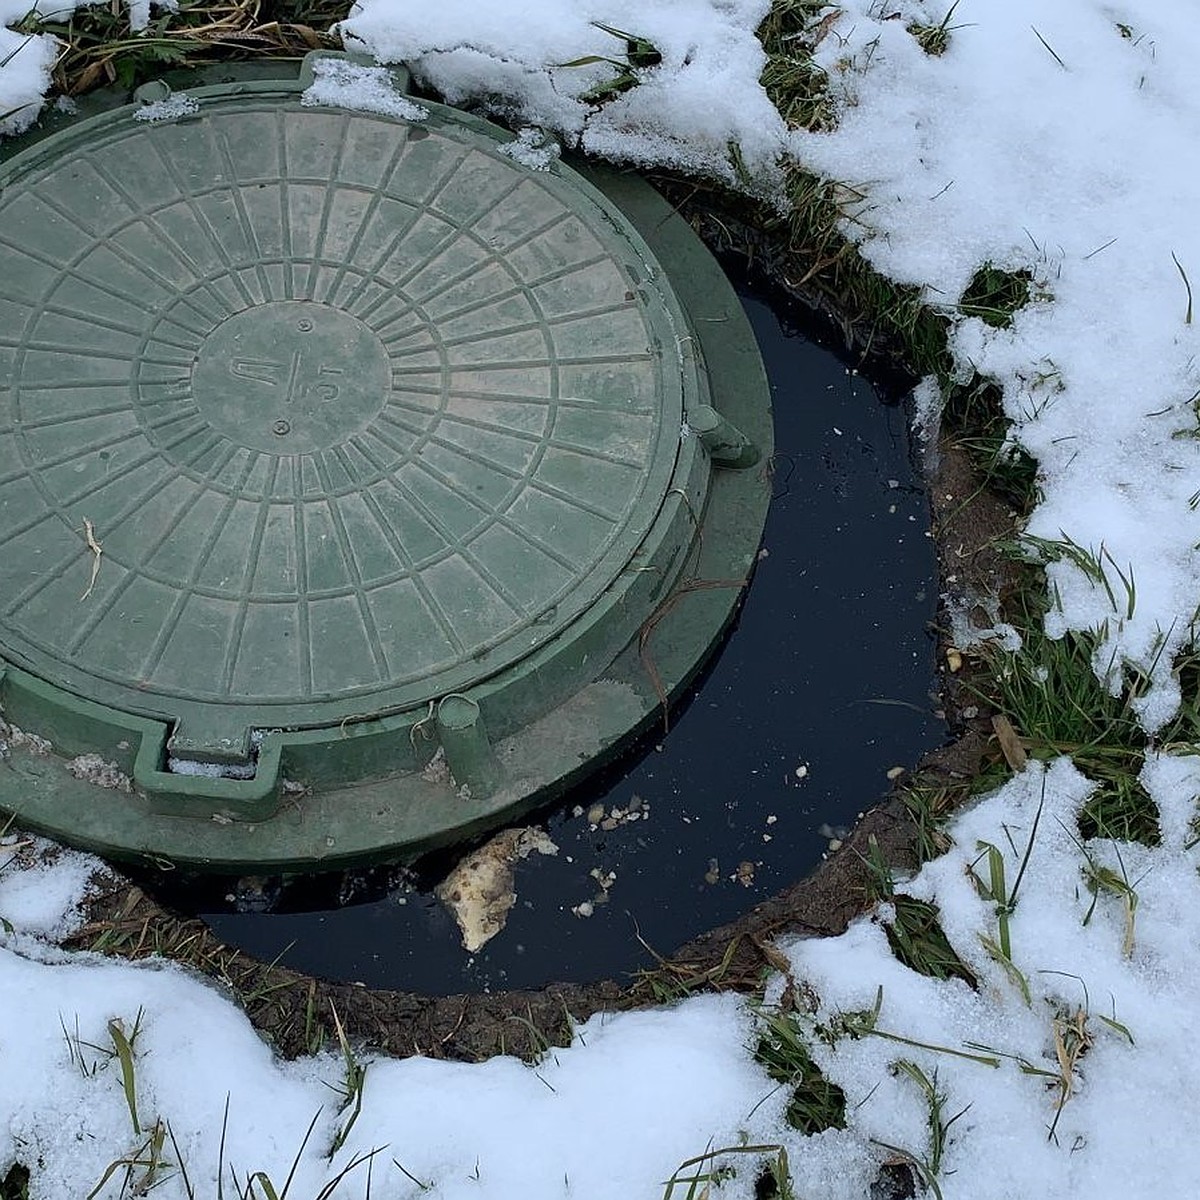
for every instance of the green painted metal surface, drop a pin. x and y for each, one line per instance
(319, 429)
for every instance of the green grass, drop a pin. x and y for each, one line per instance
(695, 1177)
(995, 294)
(929, 806)
(935, 39)
(637, 55)
(1104, 881)
(782, 1048)
(927, 1166)
(915, 935)
(1120, 807)
(796, 85)
(15, 1184)
(354, 1078)
(974, 417)
(1050, 692)
(917, 940)
(99, 47)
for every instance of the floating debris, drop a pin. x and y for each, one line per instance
(713, 874)
(598, 817)
(479, 891)
(745, 873)
(255, 893)
(834, 831)
(604, 880)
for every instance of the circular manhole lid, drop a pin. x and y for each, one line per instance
(310, 414)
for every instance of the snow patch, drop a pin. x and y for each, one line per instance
(340, 83)
(171, 108)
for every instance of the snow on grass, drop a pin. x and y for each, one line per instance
(26, 59)
(611, 1115)
(1078, 171)
(67, 1113)
(1125, 1127)
(25, 65)
(43, 887)
(684, 111)
(1057, 141)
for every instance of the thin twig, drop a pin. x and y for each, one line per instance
(1048, 47)
(89, 533)
(1187, 319)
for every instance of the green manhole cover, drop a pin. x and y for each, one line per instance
(310, 418)
(345, 419)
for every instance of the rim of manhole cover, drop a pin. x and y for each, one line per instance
(351, 472)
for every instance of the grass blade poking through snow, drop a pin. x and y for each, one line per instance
(123, 1045)
(1187, 317)
(1100, 878)
(700, 1182)
(930, 1166)
(996, 890)
(865, 1024)
(353, 1081)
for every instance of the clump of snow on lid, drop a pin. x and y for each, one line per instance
(532, 149)
(340, 83)
(170, 108)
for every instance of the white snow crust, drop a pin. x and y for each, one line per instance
(1055, 140)
(348, 84)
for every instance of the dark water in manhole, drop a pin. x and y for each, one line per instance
(822, 688)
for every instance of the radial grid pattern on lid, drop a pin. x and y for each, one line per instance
(346, 404)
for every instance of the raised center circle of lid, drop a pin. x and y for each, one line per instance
(358, 413)
(291, 369)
